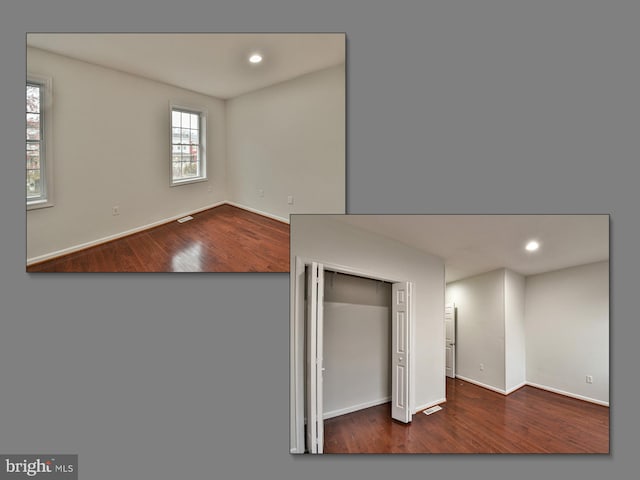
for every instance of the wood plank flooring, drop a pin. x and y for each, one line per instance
(477, 420)
(221, 239)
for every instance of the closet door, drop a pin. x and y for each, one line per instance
(315, 295)
(400, 312)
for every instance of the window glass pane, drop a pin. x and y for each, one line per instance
(175, 135)
(185, 120)
(194, 137)
(190, 170)
(33, 184)
(33, 99)
(184, 136)
(175, 118)
(195, 120)
(33, 157)
(194, 154)
(177, 171)
(33, 126)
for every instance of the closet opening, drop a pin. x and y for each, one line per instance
(356, 333)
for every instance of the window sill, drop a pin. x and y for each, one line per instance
(38, 204)
(186, 182)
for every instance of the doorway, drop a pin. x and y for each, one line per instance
(309, 336)
(450, 314)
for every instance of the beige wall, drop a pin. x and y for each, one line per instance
(289, 139)
(480, 348)
(111, 147)
(567, 330)
(549, 330)
(514, 345)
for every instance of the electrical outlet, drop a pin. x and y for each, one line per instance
(589, 379)
(290, 199)
(115, 210)
(261, 192)
(482, 367)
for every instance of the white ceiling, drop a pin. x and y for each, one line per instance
(215, 64)
(473, 244)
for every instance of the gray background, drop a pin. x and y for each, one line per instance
(453, 107)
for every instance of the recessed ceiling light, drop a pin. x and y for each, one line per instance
(255, 58)
(532, 246)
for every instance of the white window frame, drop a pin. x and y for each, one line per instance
(202, 113)
(46, 142)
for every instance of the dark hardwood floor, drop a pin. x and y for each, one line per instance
(222, 239)
(477, 420)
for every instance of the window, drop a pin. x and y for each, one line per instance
(188, 132)
(39, 188)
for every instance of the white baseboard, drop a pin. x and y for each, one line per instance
(536, 385)
(115, 236)
(259, 212)
(429, 405)
(355, 408)
(513, 389)
(569, 394)
(480, 384)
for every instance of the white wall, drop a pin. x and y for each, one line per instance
(480, 333)
(567, 330)
(111, 147)
(289, 139)
(357, 343)
(357, 357)
(324, 239)
(515, 357)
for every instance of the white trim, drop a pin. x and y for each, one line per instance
(115, 236)
(294, 450)
(567, 394)
(429, 405)
(355, 408)
(202, 113)
(259, 212)
(536, 385)
(480, 384)
(46, 143)
(335, 267)
(517, 387)
(296, 356)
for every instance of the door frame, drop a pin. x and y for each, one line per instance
(296, 340)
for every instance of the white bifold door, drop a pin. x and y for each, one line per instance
(400, 355)
(400, 352)
(315, 295)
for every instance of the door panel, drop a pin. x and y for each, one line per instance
(400, 311)
(450, 339)
(315, 295)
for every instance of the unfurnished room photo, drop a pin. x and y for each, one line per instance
(449, 334)
(167, 152)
